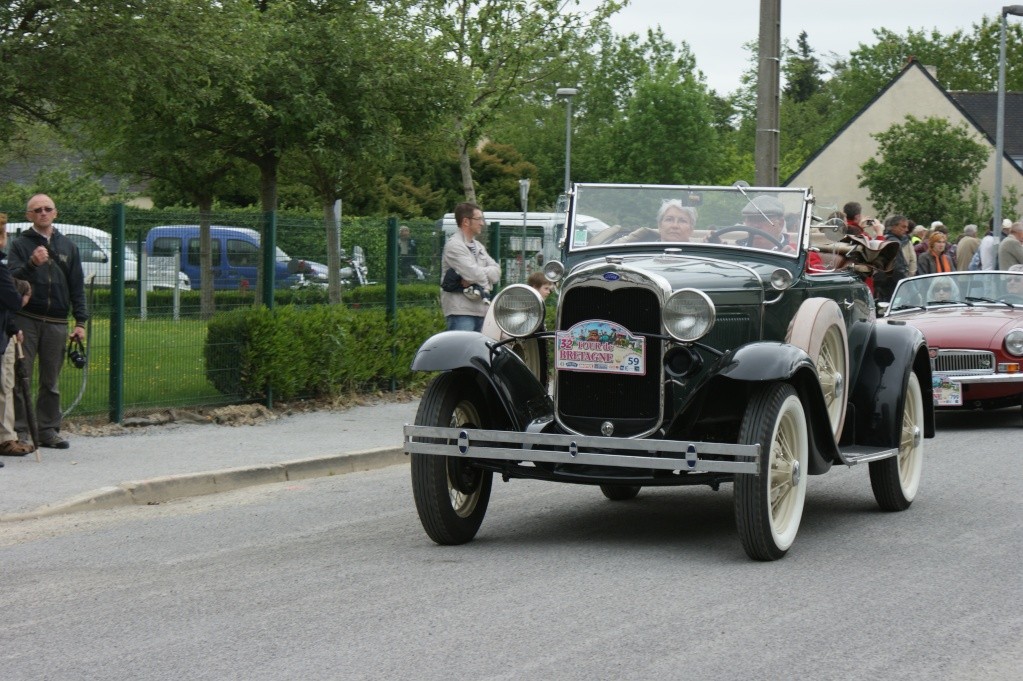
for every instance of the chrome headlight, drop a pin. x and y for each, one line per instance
(553, 270)
(1014, 342)
(781, 279)
(518, 310)
(688, 315)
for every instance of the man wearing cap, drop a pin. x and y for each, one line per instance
(767, 214)
(1010, 251)
(966, 247)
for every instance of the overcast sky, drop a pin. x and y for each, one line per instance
(716, 30)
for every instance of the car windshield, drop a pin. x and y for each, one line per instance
(958, 288)
(731, 217)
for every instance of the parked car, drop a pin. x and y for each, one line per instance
(235, 254)
(156, 275)
(704, 362)
(973, 323)
(95, 247)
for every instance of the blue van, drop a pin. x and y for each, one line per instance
(235, 255)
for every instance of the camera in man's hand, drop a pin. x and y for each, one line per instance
(76, 354)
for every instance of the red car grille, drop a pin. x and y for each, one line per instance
(964, 362)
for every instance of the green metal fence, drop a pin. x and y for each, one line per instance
(146, 347)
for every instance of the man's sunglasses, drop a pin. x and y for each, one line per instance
(43, 209)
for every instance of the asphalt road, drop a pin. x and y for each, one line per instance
(334, 579)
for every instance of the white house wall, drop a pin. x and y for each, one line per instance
(834, 172)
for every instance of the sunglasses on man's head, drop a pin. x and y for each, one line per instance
(43, 209)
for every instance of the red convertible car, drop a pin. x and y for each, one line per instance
(973, 323)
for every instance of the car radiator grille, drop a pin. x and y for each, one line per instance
(964, 362)
(586, 398)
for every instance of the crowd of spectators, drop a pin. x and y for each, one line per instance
(927, 250)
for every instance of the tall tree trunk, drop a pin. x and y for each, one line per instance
(468, 186)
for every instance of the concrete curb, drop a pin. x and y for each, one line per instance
(169, 487)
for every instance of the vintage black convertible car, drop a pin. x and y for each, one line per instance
(699, 340)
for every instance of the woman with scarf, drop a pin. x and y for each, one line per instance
(935, 259)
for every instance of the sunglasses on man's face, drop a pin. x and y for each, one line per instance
(942, 289)
(43, 209)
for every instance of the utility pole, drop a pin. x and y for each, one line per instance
(765, 155)
(567, 93)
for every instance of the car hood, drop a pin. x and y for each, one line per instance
(964, 327)
(679, 271)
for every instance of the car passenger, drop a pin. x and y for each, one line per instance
(675, 223)
(942, 290)
(1014, 285)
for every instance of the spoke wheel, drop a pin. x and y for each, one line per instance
(819, 329)
(769, 505)
(895, 481)
(620, 492)
(451, 494)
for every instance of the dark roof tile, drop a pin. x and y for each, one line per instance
(982, 107)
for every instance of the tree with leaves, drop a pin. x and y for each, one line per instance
(923, 169)
(802, 70)
(666, 135)
(502, 48)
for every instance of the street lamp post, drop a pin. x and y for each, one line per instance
(524, 196)
(568, 93)
(996, 224)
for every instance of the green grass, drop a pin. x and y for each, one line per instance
(164, 367)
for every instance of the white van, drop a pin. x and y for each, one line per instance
(95, 247)
(511, 222)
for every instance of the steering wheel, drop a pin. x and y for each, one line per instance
(715, 236)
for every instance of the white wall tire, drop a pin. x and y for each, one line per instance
(819, 329)
(896, 481)
(769, 505)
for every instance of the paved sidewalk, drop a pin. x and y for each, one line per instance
(155, 463)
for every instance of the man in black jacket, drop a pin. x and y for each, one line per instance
(51, 264)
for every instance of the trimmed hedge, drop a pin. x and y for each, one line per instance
(319, 351)
(372, 295)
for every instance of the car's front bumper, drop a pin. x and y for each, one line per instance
(556, 448)
(983, 379)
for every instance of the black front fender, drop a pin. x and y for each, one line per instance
(767, 361)
(893, 352)
(772, 361)
(523, 398)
